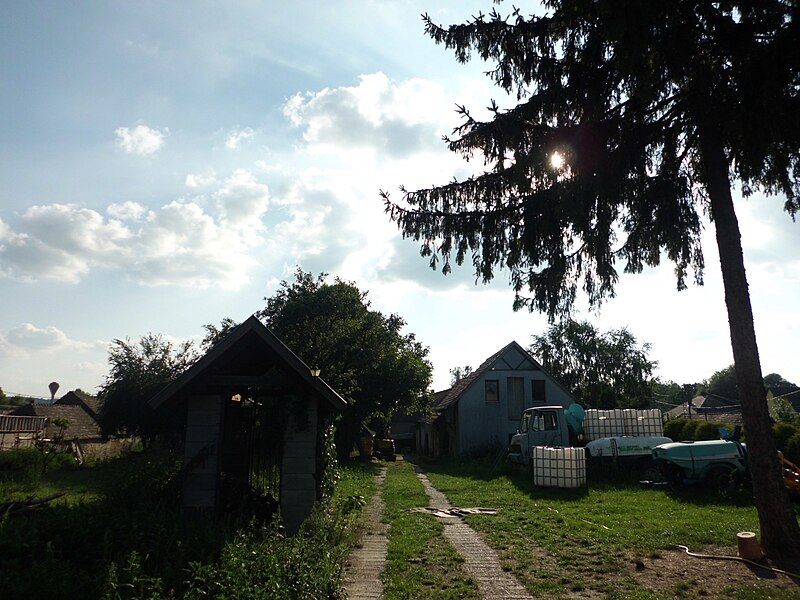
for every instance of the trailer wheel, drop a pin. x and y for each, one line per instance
(721, 479)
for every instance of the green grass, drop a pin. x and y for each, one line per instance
(421, 563)
(560, 542)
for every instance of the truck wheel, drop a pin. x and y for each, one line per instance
(651, 472)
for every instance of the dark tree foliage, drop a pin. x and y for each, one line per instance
(723, 383)
(653, 109)
(604, 370)
(361, 352)
(779, 386)
(137, 373)
(458, 373)
(215, 333)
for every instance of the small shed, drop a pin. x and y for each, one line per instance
(256, 417)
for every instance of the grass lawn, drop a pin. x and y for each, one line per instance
(421, 563)
(588, 542)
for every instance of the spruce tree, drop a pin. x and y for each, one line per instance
(632, 120)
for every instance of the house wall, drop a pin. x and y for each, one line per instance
(299, 467)
(483, 425)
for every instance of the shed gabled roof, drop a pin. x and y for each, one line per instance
(252, 325)
(448, 398)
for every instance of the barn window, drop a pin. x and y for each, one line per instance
(539, 392)
(516, 397)
(492, 390)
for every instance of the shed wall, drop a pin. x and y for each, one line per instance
(201, 450)
(299, 468)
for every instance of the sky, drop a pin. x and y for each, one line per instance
(165, 166)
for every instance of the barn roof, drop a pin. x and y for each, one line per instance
(447, 398)
(80, 398)
(82, 425)
(242, 344)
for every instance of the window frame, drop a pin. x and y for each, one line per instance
(496, 383)
(541, 383)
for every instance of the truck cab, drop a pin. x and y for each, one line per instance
(539, 426)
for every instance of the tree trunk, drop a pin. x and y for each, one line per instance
(780, 533)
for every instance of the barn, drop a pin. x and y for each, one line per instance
(256, 417)
(482, 410)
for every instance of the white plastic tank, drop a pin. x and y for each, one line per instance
(558, 467)
(599, 424)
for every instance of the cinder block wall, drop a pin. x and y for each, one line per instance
(203, 430)
(298, 473)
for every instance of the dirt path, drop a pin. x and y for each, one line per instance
(362, 571)
(480, 561)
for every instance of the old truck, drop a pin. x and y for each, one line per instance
(557, 426)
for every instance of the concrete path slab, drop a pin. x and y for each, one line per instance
(362, 571)
(480, 561)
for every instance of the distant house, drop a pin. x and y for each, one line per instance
(82, 432)
(709, 407)
(82, 399)
(482, 410)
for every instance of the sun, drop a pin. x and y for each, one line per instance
(557, 160)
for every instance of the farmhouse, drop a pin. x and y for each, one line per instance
(482, 410)
(256, 417)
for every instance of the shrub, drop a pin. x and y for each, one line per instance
(793, 448)
(781, 433)
(707, 430)
(22, 465)
(673, 428)
(688, 430)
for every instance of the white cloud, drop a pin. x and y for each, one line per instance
(201, 180)
(140, 139)
(197, 242)
(396, 118)
(237, 136)
(126, 211)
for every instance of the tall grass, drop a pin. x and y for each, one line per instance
(130, 541)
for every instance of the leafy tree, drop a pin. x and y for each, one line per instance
(54, 447)
(723, 383)
(631, 123)
(668, 393)
(3, 396)
(778, 386)
(215, 333)
(137, 373)
(781, 410)
(605, 370)
(458, 373)
(361, 352)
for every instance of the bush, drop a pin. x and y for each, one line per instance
(707, 430)
(793, 449)
(673, 428)
(688, 430)
(21, 465)
(781, 433)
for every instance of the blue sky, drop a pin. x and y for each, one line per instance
(164, 167)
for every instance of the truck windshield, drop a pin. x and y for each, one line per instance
(550, 422)
(524, 425)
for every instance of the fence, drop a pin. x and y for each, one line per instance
(20, 431)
